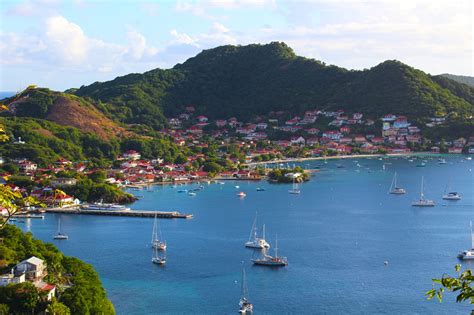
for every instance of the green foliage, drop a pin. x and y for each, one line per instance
(36, 103)
(89, 190)
(245, 81)
(85, 296)
(284, 175)
(4, 309)
(46, 142)
(58, 308)
(461, 284)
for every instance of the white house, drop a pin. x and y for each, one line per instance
(132, 155)
(32, 267)
(8, 278)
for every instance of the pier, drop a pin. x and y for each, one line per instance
(125, 213)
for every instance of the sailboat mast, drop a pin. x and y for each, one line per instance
(59, 226)
(422, 195)
(263, 232)
(276, 246)
(472, 237)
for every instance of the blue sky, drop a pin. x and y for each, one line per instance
(63, 44)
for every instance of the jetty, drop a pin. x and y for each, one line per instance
(123, 213)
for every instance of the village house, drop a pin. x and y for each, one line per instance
(27, 166)
(132, 155)
(202, 118)
(33, 268)
(195, 130)
(221, 123)
(312, 141)
(345, 129)
(60, 182)
(262, 125)
(459, 143)
(184, 116)
(8, 278)
(455, 150)
(345, 140)
(359, 139)
(298, 141)
(332, 134)
(389, 117)
(174, 122)
(401, 122)
(312, 131)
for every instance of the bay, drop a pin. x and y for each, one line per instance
(336, 234)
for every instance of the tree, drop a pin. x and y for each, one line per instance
(12, 201)
(58, 308)
(4, 309)
(462, 284)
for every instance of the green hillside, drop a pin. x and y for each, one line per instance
(244, 81)
(459, 78)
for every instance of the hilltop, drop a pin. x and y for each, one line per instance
(64, 109)
(459, 78)
(244, 81)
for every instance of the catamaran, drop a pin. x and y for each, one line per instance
(295, 190)
(59, 235)
(254, 241)
(468, 254)
(451, 195)
(245, 307)
(394, 189)
(156, 242)
(157, 259)
(423, 202)
(273, 261)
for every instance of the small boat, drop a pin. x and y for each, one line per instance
(468, 254)
(156, 242)
(245, 307)
(191, 193)
(59, 235)
(157, 259)
(340, 166)
(237, 187)
(254, 241)
(469, 158)
(295, 190)
(452, 196)
(241, 194)
(423, 202)
(449, 194)
(182, 190)
(422, 164)
(272, 261)
(442, 161)
(260, 189)
(394, 189)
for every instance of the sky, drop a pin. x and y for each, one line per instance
(64, 44)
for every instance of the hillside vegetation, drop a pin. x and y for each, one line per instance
(84, 293)
(245, 81)
(459, 78)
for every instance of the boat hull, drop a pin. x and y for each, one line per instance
(269, 263)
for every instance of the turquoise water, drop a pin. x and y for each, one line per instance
(336, 235)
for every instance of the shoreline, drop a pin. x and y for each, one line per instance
(353, 156)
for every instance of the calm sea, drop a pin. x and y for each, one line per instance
(336, 235)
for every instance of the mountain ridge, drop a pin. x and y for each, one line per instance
(245, 81)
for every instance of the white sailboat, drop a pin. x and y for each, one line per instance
(272, 261)
(295, 190)
(468, 254)
(156, 242)
(245, 307)
(59, 235)
(157, 259)
(423, 202)
(449, 194)
(394, 189)
(254, 241)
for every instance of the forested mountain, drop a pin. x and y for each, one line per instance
(459, 78)
(243, 81)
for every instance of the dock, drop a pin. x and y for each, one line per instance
(124, 213)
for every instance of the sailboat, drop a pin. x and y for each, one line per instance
(245, 307)
(451, 195)
(155, 241)
(468, 254)
(295, 190)
(59, 235)
(272, 261)
(156, 259)
(394, 189)
(423, 202)
(254, 241)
